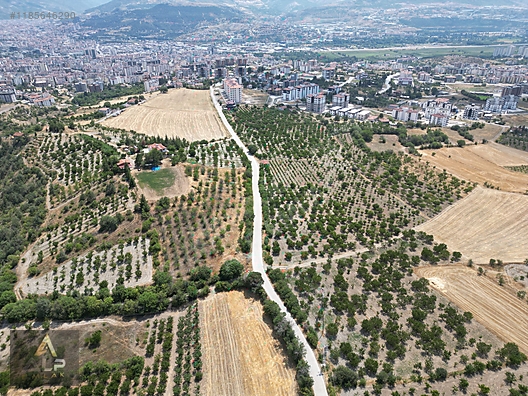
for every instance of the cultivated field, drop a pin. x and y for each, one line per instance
(486, 224)
(132, 262)
(483, 163)
(180, 113)
(492, 305)
(240, 355)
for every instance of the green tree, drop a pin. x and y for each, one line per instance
(231, 270)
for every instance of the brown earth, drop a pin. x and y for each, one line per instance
(181, 184)
(486, 224)
(482, 163)
(495, 307)
(183, 113)
(391, 143)
(240, 355)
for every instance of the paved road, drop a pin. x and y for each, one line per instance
(386, 86)
(258, 263)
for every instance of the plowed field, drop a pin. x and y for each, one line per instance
(483, 163)
(493, 306)
(486, 224)
(180, 113)
(240, 355)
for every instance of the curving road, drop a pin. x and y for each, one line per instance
(319, 386)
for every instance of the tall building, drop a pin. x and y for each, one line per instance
(7, 95)
(316, 103)
(328, 73)
(341, 99)
(471, 112)
(233, 90)
(439, 119)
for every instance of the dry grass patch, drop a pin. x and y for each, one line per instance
(183, 113)
(481, 164)
(493, 306)
(240, 355)
(486, 224)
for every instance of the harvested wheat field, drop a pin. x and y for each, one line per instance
(486, 224)
(240, 355)
(183, 113)
(493, 306)
(482, 163)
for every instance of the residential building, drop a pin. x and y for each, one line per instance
(341, 99)
(471, 112)
(233, 90)
(151, 85)
(299, 92)
(405, 78)
(316, 103)
(328, 73)
(7, 95)
(439, 119)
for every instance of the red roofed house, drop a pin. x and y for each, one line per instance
(158, 146)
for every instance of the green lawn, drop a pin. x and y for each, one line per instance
(376, 54)
(158, 181)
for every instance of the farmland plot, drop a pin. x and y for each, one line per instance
(131, 263)
(486, 224)
(497, 309)
(241, 357)
(482, 164)
(324, 192)
(184, 113)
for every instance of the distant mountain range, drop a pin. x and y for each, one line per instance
(278, 7)
(269, 7)
(77, 6)
(161, 20)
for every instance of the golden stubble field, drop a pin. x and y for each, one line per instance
(240, 355)
(182, 113)
(495, 307)
(483, 163)
(486, 224)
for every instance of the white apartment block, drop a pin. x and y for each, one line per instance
(437, 106)
(405, 114)
(299, 92)
(7, 95)
(439, 120)
(341, 99)
(316, 103)
(233, 90)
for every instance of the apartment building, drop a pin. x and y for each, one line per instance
(299, 92)
(233, 90)
(316, 103)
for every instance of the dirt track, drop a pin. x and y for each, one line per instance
(483, 163)
(486, 224)
(240, 356)
(180, 113)
(493, 306)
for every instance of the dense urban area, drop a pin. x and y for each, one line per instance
(264, 198)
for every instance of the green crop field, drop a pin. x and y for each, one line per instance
(158, 181)
(378, 54)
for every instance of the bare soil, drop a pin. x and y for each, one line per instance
(180, 187)
(240, 355)
(486, 224)
(391, 143)
(481, 164)
(182, 113)
(495, 307)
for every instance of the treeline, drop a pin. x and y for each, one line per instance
(22, 212)
(109, 92)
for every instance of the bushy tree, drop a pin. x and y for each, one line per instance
(231, 270)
